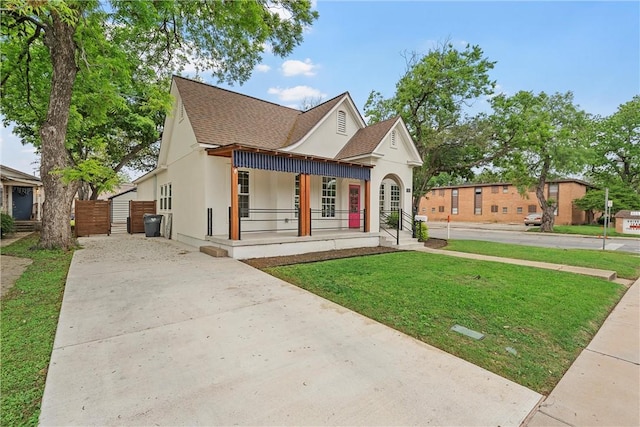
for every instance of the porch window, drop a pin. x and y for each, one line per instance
(328, 197)
(296, 195)
(381, 197)
(243, 193)
(395, 198)
(165, 197)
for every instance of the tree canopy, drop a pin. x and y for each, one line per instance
(544, 137)
(431, 98)
(615, 143)
(86, 81)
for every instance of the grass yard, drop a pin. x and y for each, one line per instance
(547, 317)
(585, 230)
(29, 319)
(626, 265)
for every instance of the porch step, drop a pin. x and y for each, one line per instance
(406, 242)
(27, 226)
(214, 251)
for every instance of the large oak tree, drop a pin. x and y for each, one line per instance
(432, 97)
(107, 50)
(545, 137)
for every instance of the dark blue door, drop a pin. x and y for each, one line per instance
(22, 202)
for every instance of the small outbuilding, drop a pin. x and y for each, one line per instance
(628, 222)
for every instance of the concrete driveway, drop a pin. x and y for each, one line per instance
(153, 332)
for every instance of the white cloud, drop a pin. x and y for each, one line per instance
(293, 67)
(297, 93)
(262, 68)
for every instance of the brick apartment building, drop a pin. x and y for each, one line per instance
(502, 203)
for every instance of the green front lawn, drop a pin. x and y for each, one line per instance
(585, 230)
(29, 320)
(626, 265)
(548, 317)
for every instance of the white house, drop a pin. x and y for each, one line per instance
(260, 179)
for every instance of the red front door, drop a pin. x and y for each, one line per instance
(354, 206)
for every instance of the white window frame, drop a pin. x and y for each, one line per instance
(244, 192)
(394, 199)
(296, 194)
(328, 196)
(165, 197)
(382, 197)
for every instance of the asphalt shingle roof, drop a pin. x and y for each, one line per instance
(367, 139)
(222, 117)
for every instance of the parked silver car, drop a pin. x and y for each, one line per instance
(533, 219)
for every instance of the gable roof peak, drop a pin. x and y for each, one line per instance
(210, 86)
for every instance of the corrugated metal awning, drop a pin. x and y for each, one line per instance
(278, 163)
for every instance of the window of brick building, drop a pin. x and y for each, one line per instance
(494, 208)
(477, 201)
(454, 201)
(532, 209)
(495, 189)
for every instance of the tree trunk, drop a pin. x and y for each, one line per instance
(56, 228)
(548, 210)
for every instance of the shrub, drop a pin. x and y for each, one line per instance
(7, 225)
(422, 231)
(393, 219)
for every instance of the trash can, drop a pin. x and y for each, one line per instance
(152, 225)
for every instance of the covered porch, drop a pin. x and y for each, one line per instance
(284, 203)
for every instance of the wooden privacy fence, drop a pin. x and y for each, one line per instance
(92, 217)
(137, 209)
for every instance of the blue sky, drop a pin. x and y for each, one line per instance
(589, 48)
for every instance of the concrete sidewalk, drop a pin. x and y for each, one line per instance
(602, 387)
(593, 272)
(152, 332)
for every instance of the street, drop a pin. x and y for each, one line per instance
(516, 234)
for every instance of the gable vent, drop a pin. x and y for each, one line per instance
(342, 122)
(393, 138)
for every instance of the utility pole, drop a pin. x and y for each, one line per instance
(606, 216)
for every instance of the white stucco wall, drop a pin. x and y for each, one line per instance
(392, 165)
(326, 141)
(188, 204)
